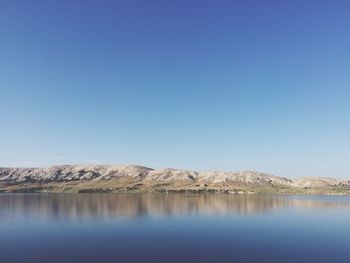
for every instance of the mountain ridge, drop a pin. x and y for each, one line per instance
(116, 178)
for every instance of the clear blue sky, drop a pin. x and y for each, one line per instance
(218, 85)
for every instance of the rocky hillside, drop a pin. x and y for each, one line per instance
(71, 173)
(108, 172)
(320, 182)
(139, 178)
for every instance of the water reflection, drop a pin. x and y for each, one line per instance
(72, 206)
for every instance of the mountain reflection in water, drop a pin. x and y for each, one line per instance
(71, 206)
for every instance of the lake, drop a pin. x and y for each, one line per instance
(173, 228)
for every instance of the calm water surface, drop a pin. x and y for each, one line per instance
(173, 228)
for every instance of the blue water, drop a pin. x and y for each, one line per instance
(173, 228)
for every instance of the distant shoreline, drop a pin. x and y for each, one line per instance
(139, 179)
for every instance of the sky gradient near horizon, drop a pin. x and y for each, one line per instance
(204, 85)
